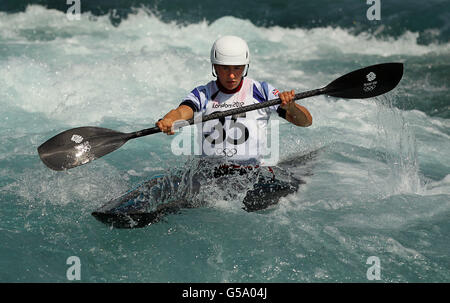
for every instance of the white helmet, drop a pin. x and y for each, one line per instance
(230, 50)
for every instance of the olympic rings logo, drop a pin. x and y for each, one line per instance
(228, 152)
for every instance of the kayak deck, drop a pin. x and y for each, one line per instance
(131, 210)
(136, 208)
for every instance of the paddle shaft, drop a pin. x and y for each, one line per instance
(82, 145)
(243, 109)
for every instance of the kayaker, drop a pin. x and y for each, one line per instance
(243, 137)
(238, 141)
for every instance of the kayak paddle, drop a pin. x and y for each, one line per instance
(82, 145)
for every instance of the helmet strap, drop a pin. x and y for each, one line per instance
(246, 70)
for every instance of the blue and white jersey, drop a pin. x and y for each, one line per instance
(238, 137)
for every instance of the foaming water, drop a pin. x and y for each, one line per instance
(96, 70)
(375, 172)
(400, 155)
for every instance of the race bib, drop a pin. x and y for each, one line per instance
(230, 137)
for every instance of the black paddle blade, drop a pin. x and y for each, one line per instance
(79, 146)
(367, 82)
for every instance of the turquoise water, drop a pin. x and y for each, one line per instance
(377, 184)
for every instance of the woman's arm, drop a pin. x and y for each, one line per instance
(296, 114)
(183, 112)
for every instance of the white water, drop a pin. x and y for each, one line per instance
(379, 184)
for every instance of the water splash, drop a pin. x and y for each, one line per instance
(211, 182)
(398, 149)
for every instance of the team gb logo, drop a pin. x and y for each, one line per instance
(371, 76)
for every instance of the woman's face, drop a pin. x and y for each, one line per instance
(229, 75)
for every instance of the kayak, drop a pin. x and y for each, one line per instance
(131, 209)
(140, 207)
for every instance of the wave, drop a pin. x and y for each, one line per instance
(67, 68)
(429, 18)
(378, 180)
